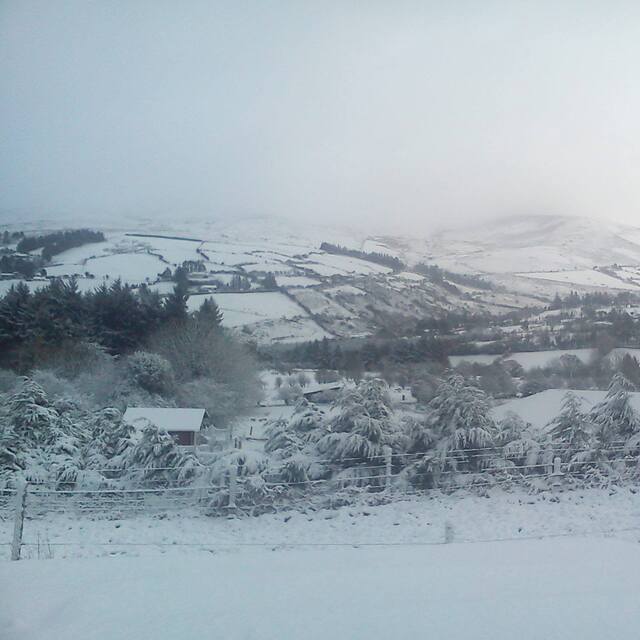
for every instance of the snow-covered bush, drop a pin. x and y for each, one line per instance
(292, 444)
(290, 391)
(152, 372)
(156, 457)
(111, 438)
(39, 440)
(520, 446)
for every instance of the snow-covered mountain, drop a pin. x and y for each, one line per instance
(537, 243)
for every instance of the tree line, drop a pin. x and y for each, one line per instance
(444, 278)
(54, 243)
(371, 256)
(115, 317)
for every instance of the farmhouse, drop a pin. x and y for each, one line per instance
(184, 425)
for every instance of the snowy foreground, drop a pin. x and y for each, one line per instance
(520, 566)
(552, 589)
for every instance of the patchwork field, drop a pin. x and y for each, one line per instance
(583, 277)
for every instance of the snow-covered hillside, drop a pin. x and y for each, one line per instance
(542, 243)
(528, 260)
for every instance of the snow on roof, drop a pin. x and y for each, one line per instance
(166, 419)
(319, 388)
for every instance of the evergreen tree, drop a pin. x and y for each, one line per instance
(59, 312)
(363, 424)
(614, 417)
(175, 305)
(16, 315)
(461, 414)
(117, 320)
(30, 415)
(156, 457)
(520, 445)
(293, 444)
(269, 281)
(630, 369)
(151, 309)
(210, 313)
(572, 427)
(110, 441)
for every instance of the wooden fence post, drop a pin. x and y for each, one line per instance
(556, 476)
(21, 501)
(448, 532)
(233, 475)
(388, 468)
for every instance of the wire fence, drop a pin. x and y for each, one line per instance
(383, 478)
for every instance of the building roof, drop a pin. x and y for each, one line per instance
(166, 419)
(321, 388)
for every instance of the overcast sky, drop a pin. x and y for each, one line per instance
(402, 114)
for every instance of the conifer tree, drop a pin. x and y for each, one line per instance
(156, 457)
(210, 313)
(175, 305)
(572, 427)
(614, 417)
(461, 414)
(16, 315)
(362, 426)
(293, 443)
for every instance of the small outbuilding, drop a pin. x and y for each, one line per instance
(322, 393)
(184, 425)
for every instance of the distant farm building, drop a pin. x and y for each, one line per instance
(184, 425)
(322, 393)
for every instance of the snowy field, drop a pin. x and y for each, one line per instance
(325, 264)
(289, 330)
(172, 250)
(133, 268)
(296, 281)
(356, 572)
(540, 408)
(583, 277)
(561, 589)
(527, 359)
(247, 308)
(496, 514)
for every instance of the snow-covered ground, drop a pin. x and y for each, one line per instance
(296, 281)
(246, 308)
(133, 268)
(583, 277)
(356, 572)
(527, 359)
(496, 514)
(540, 408)
(560, 589)
(325, 264)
